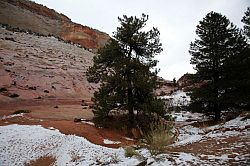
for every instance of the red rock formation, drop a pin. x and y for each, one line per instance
(36, 69)
(185, 80)
(83, 35)
(166, 87)
(28, 15)
(39, 9)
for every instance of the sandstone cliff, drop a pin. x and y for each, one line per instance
(28, 15)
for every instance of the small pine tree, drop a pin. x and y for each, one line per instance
(124, 68)
(219, 40)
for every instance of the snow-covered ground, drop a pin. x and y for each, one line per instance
(19, 144)
(185, 115)
(178, 98)
(189, 134)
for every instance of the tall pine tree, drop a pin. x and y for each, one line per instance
(219, 40)
(124, 68)
(246, 21)
(238, 73)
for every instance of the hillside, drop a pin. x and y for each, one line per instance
(39, 68)
(28, 15)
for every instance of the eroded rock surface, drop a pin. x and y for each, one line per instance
(36, 67)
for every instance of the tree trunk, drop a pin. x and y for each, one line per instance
(217, 109)
(217, 112)
(130, 95)
(130, 107)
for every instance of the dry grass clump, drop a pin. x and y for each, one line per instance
(21, 111)
(158, 138)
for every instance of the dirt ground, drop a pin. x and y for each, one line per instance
(62, 118)
(43, 161)
(51, 112)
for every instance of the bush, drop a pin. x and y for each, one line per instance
(158, 138)
(46, 91)
(3, 90)
(130, 152)
(14, 95)
(32, 88)
(21, 111)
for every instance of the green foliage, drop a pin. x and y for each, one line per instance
(130, 151)
(236, 80)
(21, 111)
(124, 68)
(246, 21)
(219, 43)
(158, 138)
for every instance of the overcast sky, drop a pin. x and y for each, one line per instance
(176, 20)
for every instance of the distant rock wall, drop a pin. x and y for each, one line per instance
(28, 15)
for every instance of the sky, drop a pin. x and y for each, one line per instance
(175, 19)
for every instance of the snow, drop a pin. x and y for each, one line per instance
(12, 116)
(234, 123)
(189, 134)
(129, 139)
(178, 98)
(88, 122)
(106, 141)
(19, 144)
(185, 115)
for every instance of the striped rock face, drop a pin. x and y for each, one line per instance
(28, 15)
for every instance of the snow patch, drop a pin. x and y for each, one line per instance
(129, 139)
(185, 115)
(106, 141)
(89, 123)
(178, 98)
(12, 116)
(19, 144)
(189, 134)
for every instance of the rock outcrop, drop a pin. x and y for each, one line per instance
(28, 15)
(166, 87)
(185, 81)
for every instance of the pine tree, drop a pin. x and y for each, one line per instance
(237, 78)
(218, 41)
(124, 68)
(246, 21)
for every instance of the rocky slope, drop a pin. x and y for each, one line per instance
(35, 68)
(28, 15)
(166, 87)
